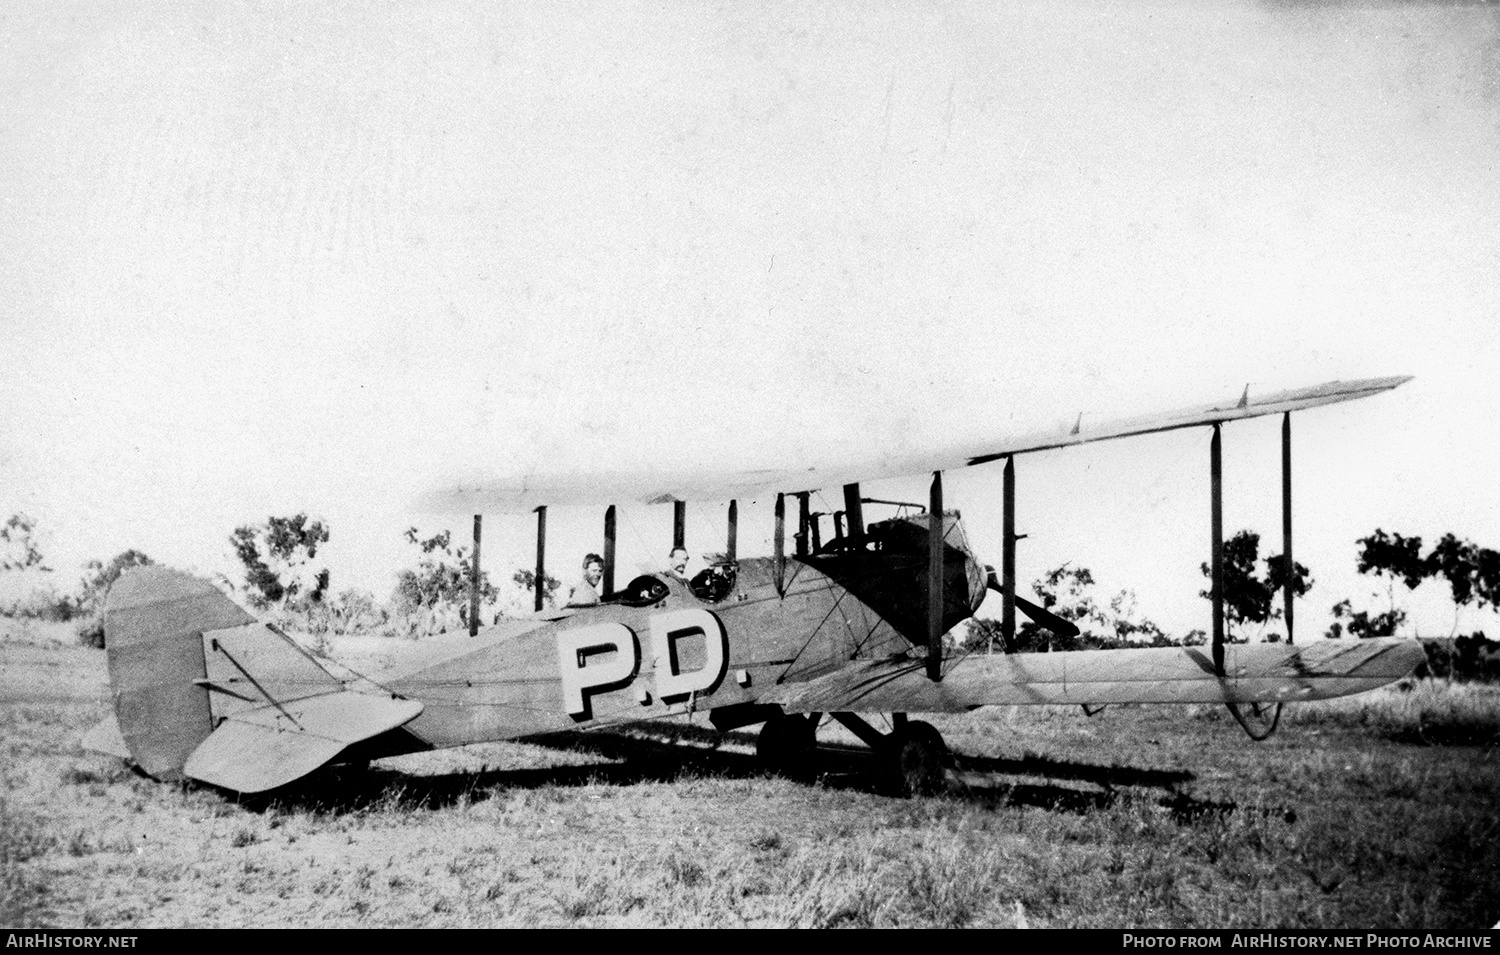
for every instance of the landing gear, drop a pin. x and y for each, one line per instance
(916, 759)
(785, 745)
(1257, 719)
(913, 757)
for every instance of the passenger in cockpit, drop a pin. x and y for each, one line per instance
(677, 563)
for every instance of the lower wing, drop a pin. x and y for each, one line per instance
(1253, 673)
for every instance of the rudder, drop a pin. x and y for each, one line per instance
(154, 621)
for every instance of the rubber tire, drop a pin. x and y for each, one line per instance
(917, 760)
(785, 745)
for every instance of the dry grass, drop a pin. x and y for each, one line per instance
(1378, 811)
(1434, 712)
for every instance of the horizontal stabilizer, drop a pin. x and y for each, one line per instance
(1253, 673)
(256, 750)
(252, 665)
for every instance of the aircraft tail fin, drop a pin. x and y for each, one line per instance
(201, 690)
(154, 622)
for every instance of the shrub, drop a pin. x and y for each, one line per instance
(1474, 658)
(352, 611)
(44, 603)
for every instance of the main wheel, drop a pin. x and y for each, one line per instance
(785, 745)
(918, 760)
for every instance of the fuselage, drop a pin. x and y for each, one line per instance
(664, 646)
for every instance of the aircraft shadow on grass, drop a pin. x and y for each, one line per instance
(659, 753)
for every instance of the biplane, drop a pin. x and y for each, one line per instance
(846, 625)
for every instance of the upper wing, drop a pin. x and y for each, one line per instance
(1260, 672)
(518, 493)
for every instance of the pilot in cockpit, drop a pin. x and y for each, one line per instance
(585, 593)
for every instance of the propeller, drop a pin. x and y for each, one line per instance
(1040, 617)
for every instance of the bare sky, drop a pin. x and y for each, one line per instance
(260, 258)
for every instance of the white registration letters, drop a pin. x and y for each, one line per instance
(605, 656)
(666, 628)
(600, 657)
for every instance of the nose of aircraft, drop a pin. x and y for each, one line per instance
(978, 575)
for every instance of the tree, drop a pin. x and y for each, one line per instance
(96, 583)
(1394, 557)
(1278, 573)
(18, 550)
(983, 633)
(1248, 597)
(1472, 572)
(1067, 592)
(101, 576)
(1129, 629)
(526, 580)
(1361, 624)
(23, 565)
(277, 557)
(442, 578)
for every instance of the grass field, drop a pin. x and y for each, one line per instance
(1380, 811)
